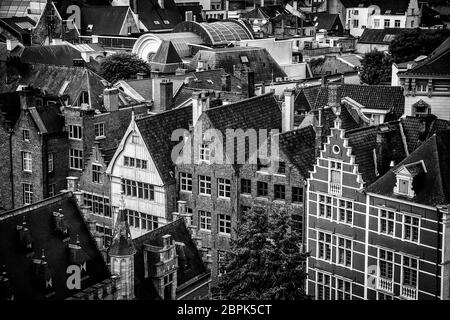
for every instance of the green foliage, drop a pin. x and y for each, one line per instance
(376, 68)
(122, 66)
(411, 43)
(265, 261)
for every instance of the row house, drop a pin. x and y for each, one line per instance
(427, 85)
(357, 236)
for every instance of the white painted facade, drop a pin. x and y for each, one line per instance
(439, 104)
(117, 171)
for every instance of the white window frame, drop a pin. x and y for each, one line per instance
(335, 188)
(205, 220)
(326, 246)
(387, 219)
(345, 251)
(185, 182)
(27, 161)
(323, 283)
(385, 283)
(27, 189)
(223, 188)
(26, 135)
(204, 153)
(346, 211)
(224, 224)
(407, 288)
(75, 132)
(338, 290)
(411, 225)
(73, 159)
(204, 182)
(99, 130)
(98, 172)
(326, 206)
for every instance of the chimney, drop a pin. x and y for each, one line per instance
(342, 78)
(248, 83)
(288, 110)
(25, 98)
(166, 94)
(167, 241)
(161, 4)
(11, 44)
(200, 103)
(188, 16)
(111, 99)
(226, 82)
(318, 130)
(323, 81)
(379, 151)
(295, 4)
(181, 207)
(200, 66)
(333, 95)
(140, 75)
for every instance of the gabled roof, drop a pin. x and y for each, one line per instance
(212, 79)
(48, 119)
(156, 18)
(326, 20)
(189, 270)
(379, 36)
(372, 97)
(105, 20)
(265, 12)
(437, 62)
(39, 220)
(156, 131)
(61, 55)
(430, 188)
(166, 59)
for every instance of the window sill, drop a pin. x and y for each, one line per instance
(76, 169)
(185, 191)
(228, 235)
(280, 201)
(204, 195)
(100, 138)
(262, 198)
(224, 198)
(246, 195)
(27, 171)
(204, 230)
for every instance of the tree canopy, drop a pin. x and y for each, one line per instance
(122, 66)
(411, 43)
(266, 261)
(376, 68)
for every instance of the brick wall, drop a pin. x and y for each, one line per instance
(5, 169)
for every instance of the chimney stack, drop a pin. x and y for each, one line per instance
(318, 130)
(188, 16)
(288, 110)
(248, 83)
(161, 4)
(111, 99)
(167, 240)
(333, 95)
(226, 82)
(200, 103)
(166, 94)
(25, 98)
(379, 151)
(323, 81)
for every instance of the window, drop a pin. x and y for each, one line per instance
(204, 153)
(149, 222)
(422, 85)
(345, 211)
(166, 21)
(411, 227)
(185, 182)
(221, 262)
(204, 186)
(387, 23)
(297, 194)
(106, 234)
(386, 269)
(386, 223)
(224, 188)
(76, 159)
(27, 193)
(51, 190)
(75, 132)
(134, 162)
(134, 218)
(50, 162)
(135, 139)
(397, 23)
(355, 23)
(323, 286)
(335, 186)
(279, 192)
(27, 161)
(244, 59)
(140, 190)
(99, 129)
(246, 186)
(26, 135)
(84, 95)
(297, 224)
(98, 204)
(383, 296)
(376, 23)
(409, 277)
(343, 289)
(355, 12)
(324, 246)
(325, 206)
(96, 173)
(403, 186)
(224, 224)
(205, 220)
(344, 247)
(281, 167)
(262, 189)
(412, 24)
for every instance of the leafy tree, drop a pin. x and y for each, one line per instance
(411, 43)
(265, 261)
(376, 68)
(122, 66)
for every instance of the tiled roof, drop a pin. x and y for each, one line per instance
(61, 55)
(373, 97)
(105, 20)
(156, 131)
(430, 188)
(212, 79)
(436, 64)
(265, 12)
(379, 36)
(189, 270)
(156, 18)
(331, 65)
(325, 20)
(40, 223)
(299, 147)
(185, 94)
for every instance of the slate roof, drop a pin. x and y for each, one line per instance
(185, 94)
(122, 243)
(326, 20)
(50, 117)
(373, 97)
(156, 131)
(378, 36)
(149, 11)
(437, 62)
(61, 55)
(260, 61)
(331, 65)
(194, 269)
(211, 79)
(166, 59)
(40, 223)
(430, 188)
(265, 12)
(105, 20)
(18, 25)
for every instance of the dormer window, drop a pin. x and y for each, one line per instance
(204, 152)
(403, 186)
(405, 175)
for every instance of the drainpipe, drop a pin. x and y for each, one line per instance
(11, 173)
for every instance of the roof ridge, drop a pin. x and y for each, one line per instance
(147, 235)
(151, 116)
